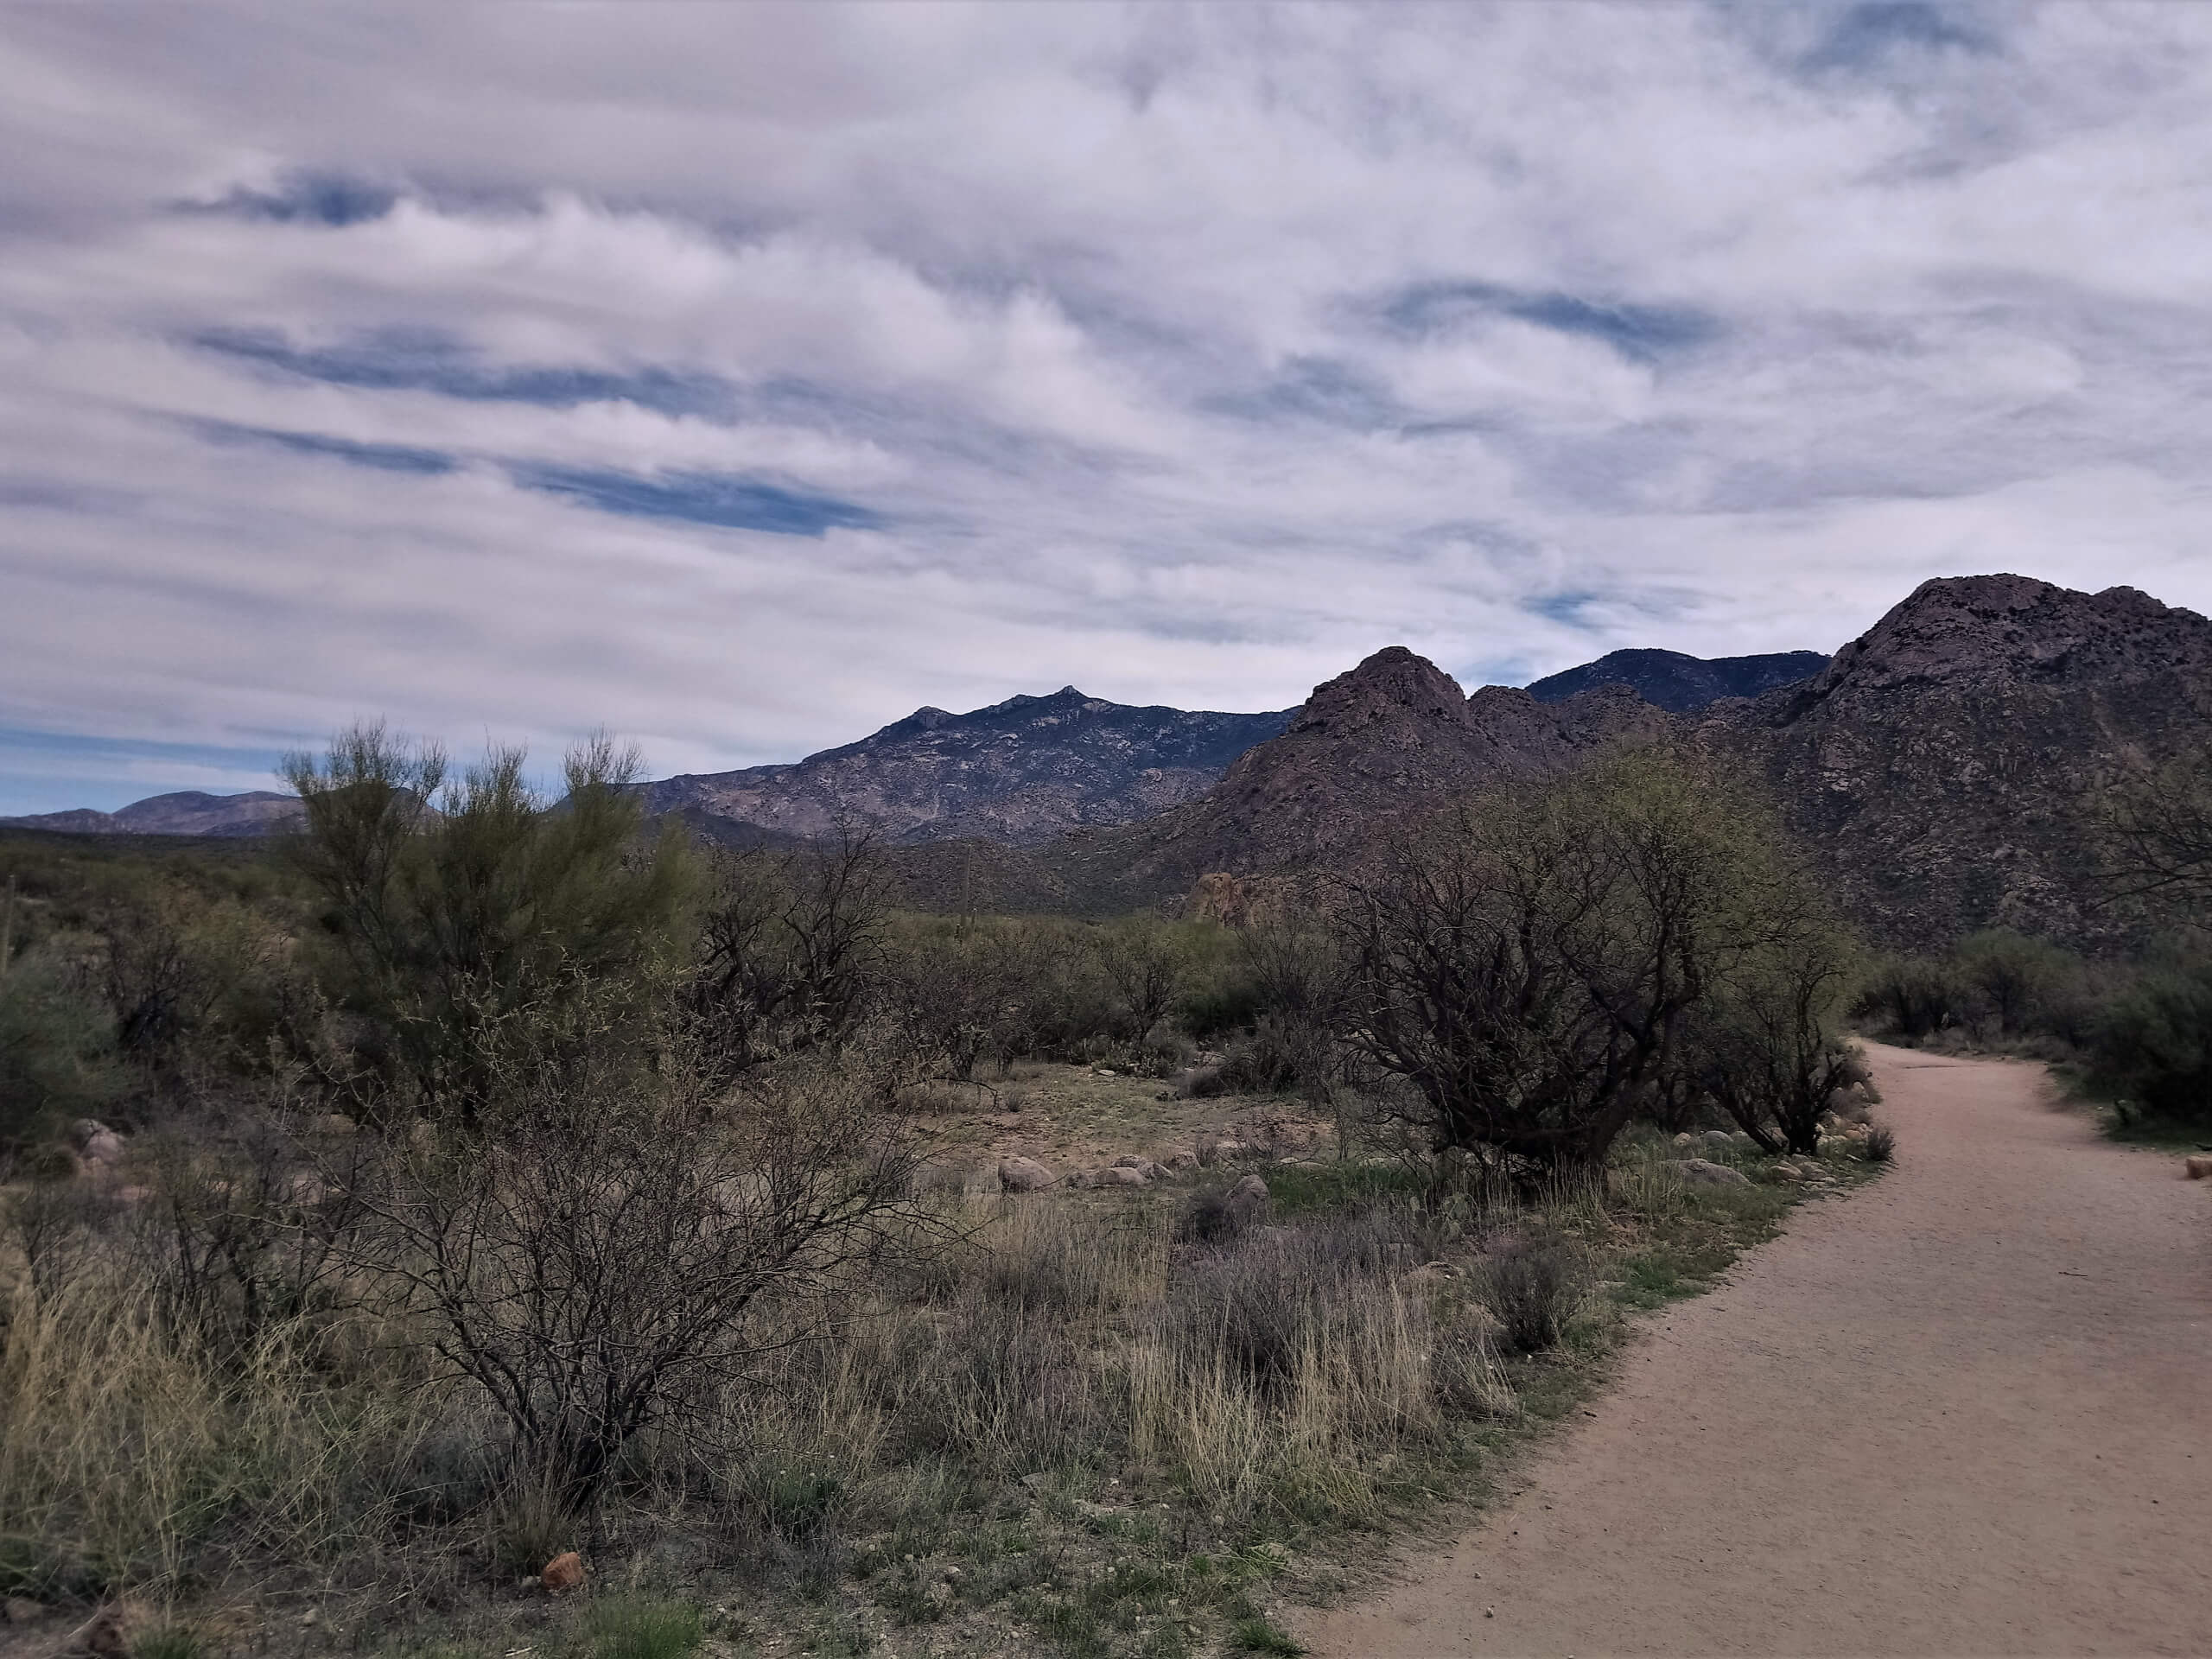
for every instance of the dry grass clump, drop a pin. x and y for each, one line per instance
(127, 1454)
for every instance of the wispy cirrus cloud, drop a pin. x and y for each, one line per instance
(742, 377)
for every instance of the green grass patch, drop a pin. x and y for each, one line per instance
(1318, 1189)
(624, 1628)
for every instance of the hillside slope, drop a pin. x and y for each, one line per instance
(1019, 772)
(1680, 683)
(1947, 765)
(187, 812)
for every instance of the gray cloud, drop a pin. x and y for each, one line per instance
(742, 377)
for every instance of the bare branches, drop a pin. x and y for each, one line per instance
(1532, 967)
(616, 1244)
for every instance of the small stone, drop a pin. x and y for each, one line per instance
(1683, 1138)
(1119, 1175)
(1107, 1071)
(1718, 1138)
(105, 1147)
(2199, 1167)
(564, 1572)
(1018, 1174)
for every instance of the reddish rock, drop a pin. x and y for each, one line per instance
(563, 1572)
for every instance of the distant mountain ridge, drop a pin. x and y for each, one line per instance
(1944, 767)
(1678, 682)
(186, 812)
(1019, 772)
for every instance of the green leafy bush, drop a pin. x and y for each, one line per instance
(2152, 1044)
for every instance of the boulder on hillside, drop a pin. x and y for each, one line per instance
(1018, 1174)
(1247, 1201)
(1699, 1172)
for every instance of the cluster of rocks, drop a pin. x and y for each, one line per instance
(1020, 1174)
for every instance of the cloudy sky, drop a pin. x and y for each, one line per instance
(740, 377)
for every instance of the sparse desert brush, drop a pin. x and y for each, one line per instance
(1880, 1145)
(1533, 1287)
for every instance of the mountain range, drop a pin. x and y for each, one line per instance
(1941, 766)
(187, 812)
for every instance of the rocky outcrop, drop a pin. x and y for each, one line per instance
(1680, 683)
(1393, 737)
(1947, 765)
(1018, 773)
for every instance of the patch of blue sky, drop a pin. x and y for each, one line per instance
(1868, 36)
(1643, 333)
(385, 457)
(333, 199)
(427, 360)
(1315, 389)
(727, 502)
(1566, 607)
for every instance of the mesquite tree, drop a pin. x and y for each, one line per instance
(1532, 963)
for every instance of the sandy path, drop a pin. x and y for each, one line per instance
(1968, 1410)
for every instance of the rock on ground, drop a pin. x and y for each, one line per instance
(1247, 1201)
(1018, 1174)
(1700, 1172)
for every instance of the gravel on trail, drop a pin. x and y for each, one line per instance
(1966, 1410)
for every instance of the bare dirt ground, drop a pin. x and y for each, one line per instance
(1966, 1411)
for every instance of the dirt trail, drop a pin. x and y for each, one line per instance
(1968, 1410)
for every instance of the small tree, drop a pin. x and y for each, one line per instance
(1768, 1046)
(459, 909)
(789, 952)
(1529, 966)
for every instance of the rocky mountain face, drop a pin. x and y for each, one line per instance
(188, 812)
(1392, 737)
(1945, 764)
(1681, 684)
(1019, 772)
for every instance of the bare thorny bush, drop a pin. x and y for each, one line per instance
(621, 1240)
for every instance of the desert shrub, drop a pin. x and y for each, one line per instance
(1528, 966)
(789, 957)
(244, 1226)
(57, 1054)
(1912, 997)
(463, 917)
(60, 1227)
(2020, 981)
(2152, 1044)
(1208, 1218)
(601, 1245)
(1533, 1289)
(1880, 1145)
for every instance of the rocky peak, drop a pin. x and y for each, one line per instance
(1393, 681)
(1982, 631)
